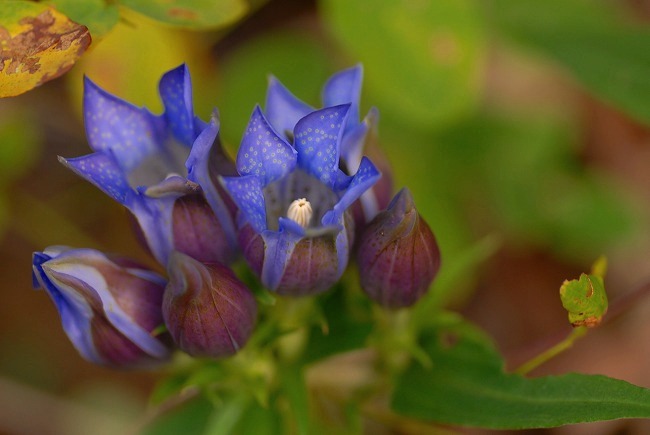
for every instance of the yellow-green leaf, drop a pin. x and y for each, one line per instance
(37, 44)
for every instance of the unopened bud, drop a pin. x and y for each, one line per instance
(109, 306)
(398, 255)
(207, 310)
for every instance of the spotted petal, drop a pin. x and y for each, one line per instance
(344, 87)
(317, 140)
(263, 153)
(246, 191)
(103, 171)
(130, 133)
(175, 89)
(283, 110)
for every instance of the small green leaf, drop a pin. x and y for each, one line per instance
(191, 14)
(585, 300)
(467, 386)
(100, 16)
(421, 58)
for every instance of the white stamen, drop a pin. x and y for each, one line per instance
(300, 211)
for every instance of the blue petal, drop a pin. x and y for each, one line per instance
(263, 153)
(317, 140)
(103, 171)
(154, 216)
(366, 176)
(130, 133)
(198, 170)
(283, 110)
(354, 140)
(247, 193)
(279, 246)
(344, 87)
(175, 89)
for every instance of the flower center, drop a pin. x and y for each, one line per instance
(300, 211)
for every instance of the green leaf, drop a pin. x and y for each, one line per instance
(37, 44)
(259, 421)
(606, 53)
(467, 386)
(100, 16)
(343, 330)
(188, 418)
(585, 300)
(191, 14)
(421, 58)
(293, 385)
(224, 418)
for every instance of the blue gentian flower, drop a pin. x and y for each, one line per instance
(162, 168)
(109, 307)
(283, 110)
(293, 198)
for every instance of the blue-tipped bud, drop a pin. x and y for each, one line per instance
(207, 310)
(398, 255)
(109, 307)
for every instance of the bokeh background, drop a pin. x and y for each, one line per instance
(521, 127)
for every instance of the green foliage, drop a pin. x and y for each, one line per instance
(467, 386)
(421, 58)
(526, 177)
(299, 62)
(607, 53)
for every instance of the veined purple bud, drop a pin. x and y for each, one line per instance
(398, 255)
(109, 307)
(207, 310)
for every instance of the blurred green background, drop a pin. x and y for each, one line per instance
(521, 127)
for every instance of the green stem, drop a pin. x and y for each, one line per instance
(552, 352)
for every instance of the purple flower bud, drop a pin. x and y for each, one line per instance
(398, 255)
(207, 310)
(109, 307)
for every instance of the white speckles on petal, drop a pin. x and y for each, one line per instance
(268, 155)
(318, 138)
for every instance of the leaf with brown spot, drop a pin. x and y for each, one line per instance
(191, 14)
(37, 44)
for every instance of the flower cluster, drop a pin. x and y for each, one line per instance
(298, 201)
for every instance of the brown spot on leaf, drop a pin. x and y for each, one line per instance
(46, 46)
(182, 13)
